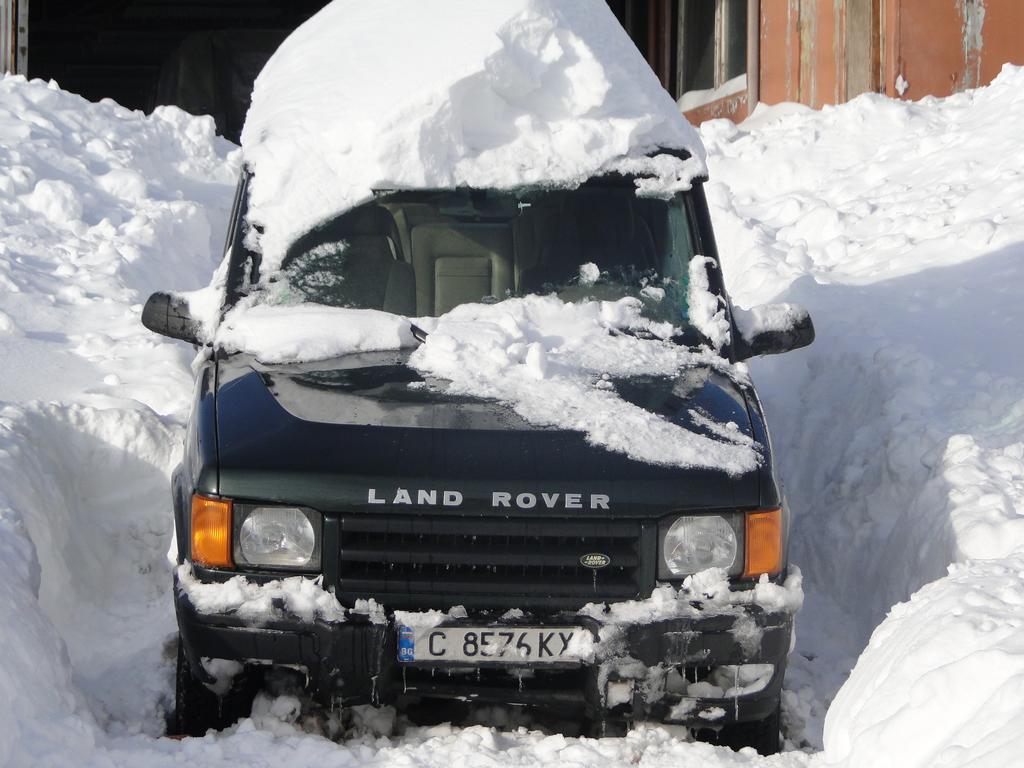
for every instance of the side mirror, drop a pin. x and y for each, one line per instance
(772, 329)
(169, 315)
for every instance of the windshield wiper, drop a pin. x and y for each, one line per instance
(418, 333)
(685, 338)
(638, 333)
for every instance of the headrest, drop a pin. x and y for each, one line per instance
(601, 215)
(366, 220)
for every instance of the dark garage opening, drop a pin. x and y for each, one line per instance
(199, 54)
(203, 55)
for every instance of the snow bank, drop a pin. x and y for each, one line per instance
(899, 226)
(940, 683)
(98, 206)
(871, 190)
(446, 93)
(946, 669)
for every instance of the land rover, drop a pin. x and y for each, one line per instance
(476, 556)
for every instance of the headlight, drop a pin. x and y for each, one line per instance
(277, 537)
(692, 543)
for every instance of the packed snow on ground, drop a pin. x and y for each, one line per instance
(513, 93)
(900, 435)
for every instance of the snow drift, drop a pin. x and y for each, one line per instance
(98, 206)
(455, 93)
(900, 226)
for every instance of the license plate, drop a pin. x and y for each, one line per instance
(510, 645)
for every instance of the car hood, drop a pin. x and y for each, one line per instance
(368, 433)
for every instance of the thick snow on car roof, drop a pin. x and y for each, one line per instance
(446, 93)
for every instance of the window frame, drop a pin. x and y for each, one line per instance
(725, 12)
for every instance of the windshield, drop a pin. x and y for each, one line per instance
(422, 253)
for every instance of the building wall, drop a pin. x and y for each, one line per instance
(1003, 37)
(818, 52)
(780, 51)
(944, 46)
(821, 52)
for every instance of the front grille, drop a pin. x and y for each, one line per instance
(439, 562)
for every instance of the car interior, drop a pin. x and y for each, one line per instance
(423, 253)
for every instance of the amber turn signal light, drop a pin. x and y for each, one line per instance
(211, 532)
(764, 543)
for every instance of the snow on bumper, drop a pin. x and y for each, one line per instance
(709, 670)
(675, 660)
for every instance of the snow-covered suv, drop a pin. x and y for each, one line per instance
(438, 531)
(470, 419)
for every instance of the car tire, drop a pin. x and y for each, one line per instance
(763, 735)
(197, 709)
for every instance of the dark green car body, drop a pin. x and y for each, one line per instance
(382, 465)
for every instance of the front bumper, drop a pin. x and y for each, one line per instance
(630, 678)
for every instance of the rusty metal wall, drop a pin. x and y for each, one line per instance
(821, 37)
(817, 52)
(1002, 37)
(827, 51)
(780, 51)
(940, 47)
(932, 45)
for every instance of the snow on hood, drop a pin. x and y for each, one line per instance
(551, 361)
(447, 93)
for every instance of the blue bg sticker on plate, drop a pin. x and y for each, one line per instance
(406, 644)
